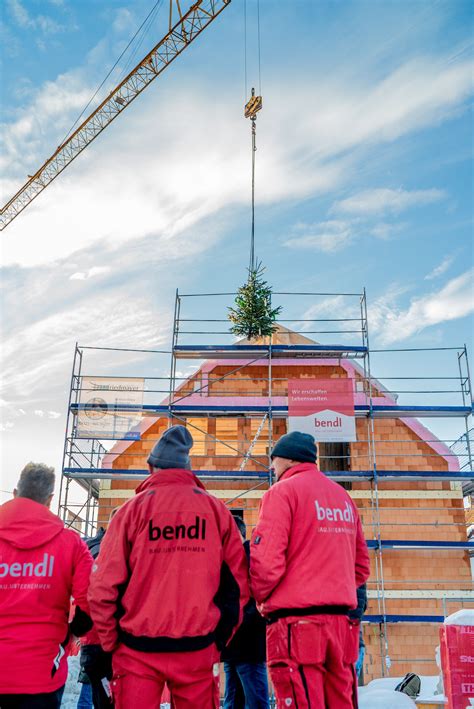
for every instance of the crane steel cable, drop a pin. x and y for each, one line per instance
(251, 108)
(259, 53)
(252, 236)
(155, 6)
(152, 15)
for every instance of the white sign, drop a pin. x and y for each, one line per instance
(110, 407)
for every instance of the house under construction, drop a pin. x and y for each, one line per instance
(233, 396)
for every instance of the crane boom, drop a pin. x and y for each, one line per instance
(180, 36)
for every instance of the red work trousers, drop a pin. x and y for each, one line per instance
(139, 678)
(311, 661)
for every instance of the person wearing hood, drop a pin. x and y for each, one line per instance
(308, 556)
(42, 565)
(169, 586)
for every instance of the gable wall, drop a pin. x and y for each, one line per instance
(408, 510)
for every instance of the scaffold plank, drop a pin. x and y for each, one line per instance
(347, 476)
(247, 351)
(105, 473)
(440, 594)
(206, 410)
(377, 619)
(417, 544)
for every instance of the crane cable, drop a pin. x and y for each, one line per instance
(251, 108)
(252, 236)
(245, 51)
(259, 53)
(152, 16)
(258, 50)
(152, 11)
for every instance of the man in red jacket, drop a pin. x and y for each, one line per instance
(42, 565)
(169, 585)
(308, 556)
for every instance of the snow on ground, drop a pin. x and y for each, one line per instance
(386, 698)
(382, 690)
(463, 617)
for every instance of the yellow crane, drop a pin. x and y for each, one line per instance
(180, 35)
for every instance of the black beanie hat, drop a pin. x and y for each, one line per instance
(172, 450)
(296, 446)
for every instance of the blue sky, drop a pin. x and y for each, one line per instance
(364, 178)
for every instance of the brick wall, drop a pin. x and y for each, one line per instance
(407, 510)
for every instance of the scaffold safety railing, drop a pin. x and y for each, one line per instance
(413, 408)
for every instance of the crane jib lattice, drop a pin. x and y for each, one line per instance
(189, 26)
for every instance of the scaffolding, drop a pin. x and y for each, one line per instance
(225, 381)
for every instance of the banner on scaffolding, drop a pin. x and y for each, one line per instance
(110, 407)
(322, 407)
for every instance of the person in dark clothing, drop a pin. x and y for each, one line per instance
(93, 543)
(246, 685)
(96, 665)
(357, 614)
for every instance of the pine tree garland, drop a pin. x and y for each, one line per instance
(253, 315)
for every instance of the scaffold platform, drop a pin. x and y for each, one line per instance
(215, 386)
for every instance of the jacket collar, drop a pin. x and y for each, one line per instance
(170, 476)
(300, 468)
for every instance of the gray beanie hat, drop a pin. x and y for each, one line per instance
(172, 450)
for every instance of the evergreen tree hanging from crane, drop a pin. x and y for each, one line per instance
(253, 315)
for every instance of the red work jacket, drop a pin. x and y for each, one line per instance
(42, 565)
(172, 573)
(308, 548)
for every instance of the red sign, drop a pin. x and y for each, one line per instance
(457, 659)
(322, 407)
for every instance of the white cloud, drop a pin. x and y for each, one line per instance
(166, 190)
(385, 231)
(329, 237)
(383, 307)
(37, 357)
(7, 426)
(23, 19)
(25, 140)
(366, 112)
(439, 270)
(383, 200)
(178, 182)
(336, 234)
(39, 412)
(47, 25)
(10, 409)
(332, 308)
(90, 273)
(54, 414)
(124, 20)
(19, 13)
(392, 324)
